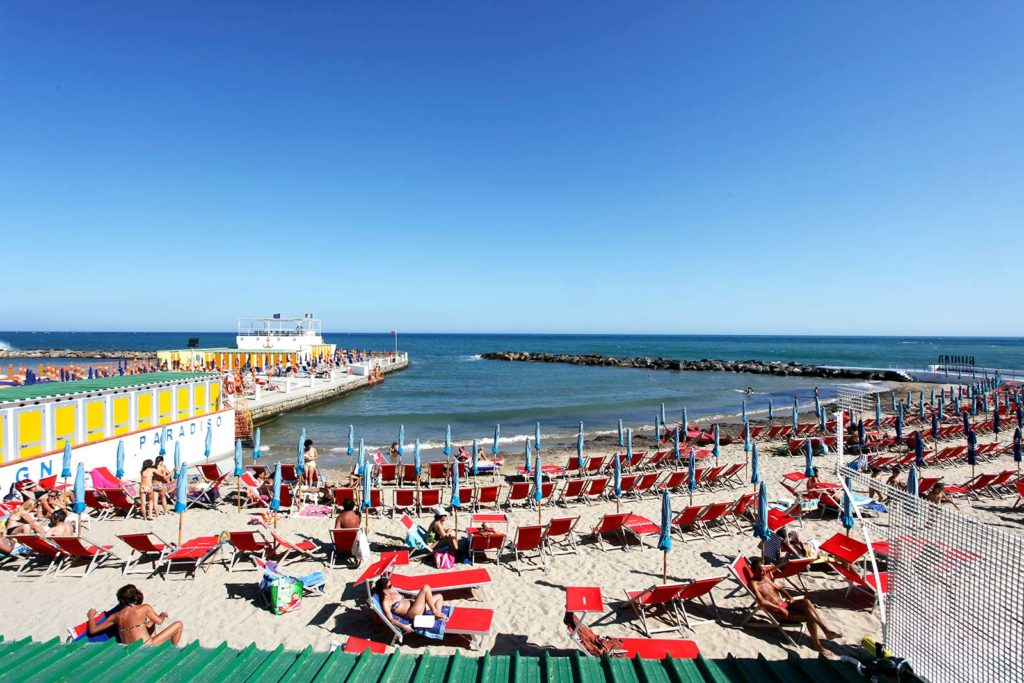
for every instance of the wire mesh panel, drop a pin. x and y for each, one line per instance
(955, 601)
(857, 398)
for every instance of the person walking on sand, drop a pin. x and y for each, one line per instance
(136, 621)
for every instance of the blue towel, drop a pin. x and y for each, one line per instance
(435, 632)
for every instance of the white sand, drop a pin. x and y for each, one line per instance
(223, 607)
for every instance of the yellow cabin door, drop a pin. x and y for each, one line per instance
(29, 432)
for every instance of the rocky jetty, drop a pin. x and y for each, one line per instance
(754, 367)
(77, 353)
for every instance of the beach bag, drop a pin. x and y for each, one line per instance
(444, 559)
(361, 548)
(285, 594)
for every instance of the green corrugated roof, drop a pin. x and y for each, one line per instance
(78, 386)
(54, 661)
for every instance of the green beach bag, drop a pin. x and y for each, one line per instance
(285, 594)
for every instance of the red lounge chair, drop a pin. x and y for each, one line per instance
(597, 489)
(740, 570)
(440, 582)
(674, 481)
(481, 544)
(794, 569)
(487, 495)
(356, 646)
(629, 648)
(571, 492)
(44, 554)
(560, 534)
(518, 494)
(340, 495)
(210, 471)
(209, 495)
(426, 499)
(686, 524)
(145, 547)
(288, 473)
(611, 524)
(408, 474)
(877, 588)
(714, 518)
(246, 544)
(388, 473)
(437, 472)
(739, 509)
(529, 538)
(101, 509)
(593, 466)
(655, 460)
(253, 498)
(844, 548)
(657, 602)
(192, 555)
(121, 501)
(695, 591)
(546, 489)
(778, 519)
(645, 484)
(572, 467)
(731, 475)
(75, 549)
(474, 622)
(376, 501)
(284, 547)
(404, 499)
(344, 540)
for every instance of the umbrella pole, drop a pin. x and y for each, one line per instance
(538, 513)
(664, 566)
(181, 520)
(79, 527)
(617, 505)
(456, 532)
(238, 492)
(275, 519)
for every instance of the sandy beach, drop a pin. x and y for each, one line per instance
(221, 606)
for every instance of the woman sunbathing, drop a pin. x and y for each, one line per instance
(394, 605)
(780, 604)
(439, 533)
(136, 621)
(23, 521)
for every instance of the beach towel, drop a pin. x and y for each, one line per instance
(318, 511)
(414, 539)
(444, 559)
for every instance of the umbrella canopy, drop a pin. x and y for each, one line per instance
(538, 479)
(918, 449)
(912, 481)
(456, 501)
(657, 429)
(1016, 445)
(847, 515)
(255, 445)
(300, 462)
(536, 436)
(796, 416)
(361, 462)
(893, 397)
(617, 474)
(997, 422)
(79, 506)
(691, 482)
(622, 436)
(899, 426)
(417, 464)
(239, 470)
(163, 450)
(743, 413)
(972, 448)
(675, 440)
(920, 405)
(351, 439)
(447, 450)
(208, 443)
(629, 443)
(529, 458)
(771, 410)
(177, 458)
(686, 425)
(663, 414)
(967, 422)
(367, 501)
(755, 467)
(716, 450)
(476, 458)
(822, 418)
(401, 440)
(181, 495)
(817, 402)
(1020, 416)
(665, 539)
(746, 438)
(497, 437)
(65, 465)
(119, 462)
(579, 445)
(761, 521)
(808, 459)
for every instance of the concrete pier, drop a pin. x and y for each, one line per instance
(299, 392)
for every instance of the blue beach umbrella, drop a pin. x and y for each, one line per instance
(65, 465)
(361, 462)
(181, 497)
(239, 470)
(808, 459)
(447, 450)
(401, 440)
(933, 397)
(538, 480)
(846, 518)
(878, 408)
(771, 410)
(1017, 447)
(366, 504)
(743, 413)
(119, 462)
(920, 406)
(300, 462)
(497, 437)
(255, 445)
(208, 443)
(967, 423)
(912, 481)
(675, 436)
(665, 539)
(824, 421)
(761, 521)
(942, 404)
(177, 459)
(163, 450)
(817, 404)
(796, 417)
(935, 425)
(918, 449)
(716, 449)
(746, 438)
(476, 459)
(662, 414)
(997, 422)
(691, 481)
(629, 444)
(1020, 416)
(622, 436)
(529, 457)
(686, 425)
(972, 448)
(351, 440)
(456, 501)
(617, 476)
(579, 446)
(860, 433)
(536, 437)
(899, 426)
(893, 397)
(755, 466)
(79, 506)
(657, 429)
(417, 464)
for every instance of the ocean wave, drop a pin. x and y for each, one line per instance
(6, 346)
(473, 357)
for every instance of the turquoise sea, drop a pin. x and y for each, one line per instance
(448, 383)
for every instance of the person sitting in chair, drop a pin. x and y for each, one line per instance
(395, 605)
(780, 604)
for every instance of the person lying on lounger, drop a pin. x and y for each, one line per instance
(59, 524)
(136, 621)
(780, 604)
(23, 521)
(394, 605)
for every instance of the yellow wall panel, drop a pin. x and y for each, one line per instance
(163, 404)
(64, 425)
(214, 395)
(200, 394)
(94, 420)
(184, 401)
(144, 407)
(30, 433)
(121, 415)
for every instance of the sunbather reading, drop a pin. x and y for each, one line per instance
(780, 604)
(394, 605)
(136, 621)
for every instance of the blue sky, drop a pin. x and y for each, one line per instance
(688, 167)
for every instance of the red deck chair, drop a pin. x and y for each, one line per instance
(466, 494)
(572, 467)
(738, 511)
(210, 471)
(441, 582)
(246, 544)
(639, 528)
(571, 492)
(481, 544)
(191, 555)
(660, 603)
(357, 646)
(75, 549)
(101, 509)
(712, 478)
(426, 499)
(593, 466)
(376, 502)
(673, 482)
(793, 570)
(288, 473)
(209, 496)
(686, 524)
(487, 495)
(713, 519)
(655, 460)
(145, 548)
(611, 524)
(529, 539)
(740, 570)
(518, 494)
(474, 622)
(628, 484)
(560, 534)
(44, 554)
(645, 484)
(284, 547)
(121, 501)
(695, 591)
(596, 489)
(340, 495)
(636, 462)
(731, 475)
(404, 499)
(630, 648)
(409, 474)
(388, 473)
(437, 472)
(343, 540)
(547, 488)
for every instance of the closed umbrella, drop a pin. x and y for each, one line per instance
(79, 505)
(1020, 416)
(367, 500)
(796, 417)
(663, 414)
(629, 445)
(686, 426)
(351, 440)
(208, 444)
(529, 458)
(119, 462)
(912, 482)
(177, 459)
(579, 446)
(1017, 447)
(878, 409)
(361, 461)
(933, 398)
(823, 419)
(300, 462)
(972, 450)
(65, 466)
(918, 449)
(899, 426)
(675, 438)
(497, 437)
(401, 440)
(755, 468)
(716, 449)
(617, 479)
(847, 516)
(447, 450)
(657, 429)
(761, 521)
(942, 404)
(456, 501)
(920, 406)
(771, 410)
(181, 501)
(256, 445)
(817, 402)
(536, 437)
(691, 481)
(476, 459)
(808, 458)
(665, 538)
(417, 463)
(538, 484)
(935, 425)
(893, 397)
(997, 422)
(743, 413)
(860, 433)
(622, 436)
(967, 422)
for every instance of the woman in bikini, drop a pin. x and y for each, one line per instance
(23, 521)
(136, 621)
(394, 605)
(146, 492)
(309, 457)
(161, 478)
(439, 531)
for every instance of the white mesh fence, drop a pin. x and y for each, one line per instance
(859, 399)
(955, 601)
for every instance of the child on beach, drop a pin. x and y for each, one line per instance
(146, 492)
